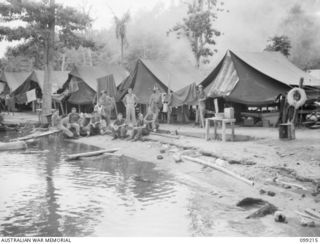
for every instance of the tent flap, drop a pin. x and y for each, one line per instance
(185, 96)
(84, 95)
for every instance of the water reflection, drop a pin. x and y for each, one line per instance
(44, 195)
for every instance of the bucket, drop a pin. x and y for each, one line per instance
(229, 113)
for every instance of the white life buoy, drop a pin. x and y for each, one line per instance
(297, 97)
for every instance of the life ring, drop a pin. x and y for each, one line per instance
(297, 97)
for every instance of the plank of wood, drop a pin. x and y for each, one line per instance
(307, 216)
(165, 135)
(219, 168)
(91, 154)
(313, 213)
(36, 135)
(17, 145)
(291, 184)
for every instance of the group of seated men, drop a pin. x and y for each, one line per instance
(77, 124)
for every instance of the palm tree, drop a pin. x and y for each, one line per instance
(121, 30)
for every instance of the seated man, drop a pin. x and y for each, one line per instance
(151, 120)
(74, 119)
(119, 129)
(57, 122)
(140, 129)
(84, 123)
(95, 123)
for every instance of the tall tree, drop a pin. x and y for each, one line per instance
(41, 20)
(279, 44)
(197, 26)
(121, 30)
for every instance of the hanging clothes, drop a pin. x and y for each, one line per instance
(73, 86)
(31, 95)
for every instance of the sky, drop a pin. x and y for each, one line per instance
(246, 26)
(100, 11)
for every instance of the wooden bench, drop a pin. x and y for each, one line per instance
(224, 123)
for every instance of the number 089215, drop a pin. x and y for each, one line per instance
(309, 240)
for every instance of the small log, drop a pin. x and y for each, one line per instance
(91, 154)
(313, 213)
(221, 169)
(165, 135)
(36, 135)
(18, 145)
(290, 184)
(304, 215)
(263, 211)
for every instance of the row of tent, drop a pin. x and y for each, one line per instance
(249, 78)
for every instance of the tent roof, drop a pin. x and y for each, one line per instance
(14, 79)
(90, 74)
(254, 78)
(174, 75)
(58, 79)
(237, 81)
(164, 75)
(276, 66)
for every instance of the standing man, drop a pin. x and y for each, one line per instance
(107, 105)
(130, 102)
(10, 104)
(155, 101)
(169, 100)
(201, 105)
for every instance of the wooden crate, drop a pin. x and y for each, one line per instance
(287, 132)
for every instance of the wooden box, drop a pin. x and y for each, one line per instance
(287, 132)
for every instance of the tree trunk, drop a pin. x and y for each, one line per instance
(90, 57)
(63, 62)
(197, 52)
(49, 56)
(122, 44)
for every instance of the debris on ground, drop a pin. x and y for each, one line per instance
(159, 157)
(177, 157)
(262, 191)
(307, 223)
(242, 162)
(263, 211)
(249, 202)
(271, 193)
(288, 185)
(141, 179)
(266, 208)
(280, 217)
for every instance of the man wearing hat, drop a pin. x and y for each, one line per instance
(155, 101)
(202, 105)
(130, 101)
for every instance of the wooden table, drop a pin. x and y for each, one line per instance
(224, 123)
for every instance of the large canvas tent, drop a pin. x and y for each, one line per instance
(36, 80)
(254, 78)
(85, 80)
(13, 80)
(164, 75)
(57, 80)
